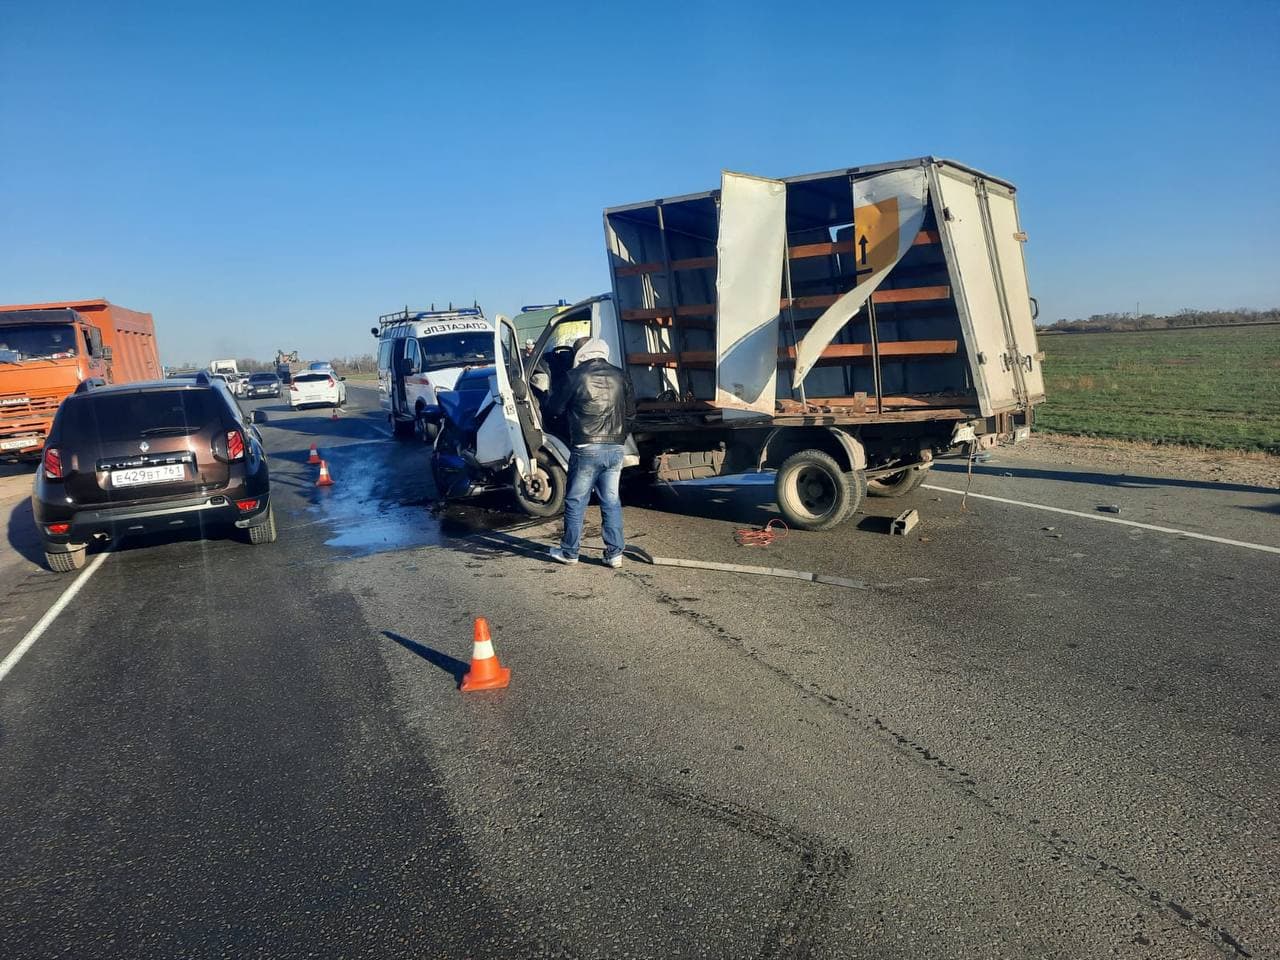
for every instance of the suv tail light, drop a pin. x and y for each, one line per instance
(293, 385)
(52, 463)
(235, 445)
(331, 382)
(58, 529)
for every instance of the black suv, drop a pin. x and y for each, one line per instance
(143, 457)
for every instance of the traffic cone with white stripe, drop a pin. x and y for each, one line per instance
(324, 480)
(315, 456)
(486, 672)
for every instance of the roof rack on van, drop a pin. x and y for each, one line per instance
(90, 383)
(407, 316)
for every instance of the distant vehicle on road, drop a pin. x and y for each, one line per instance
(47, 349)
(223, 366)
(146, 457)
(320, 366)
(316, 389)
(422, 352)
(261, 385)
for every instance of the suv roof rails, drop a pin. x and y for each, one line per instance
(90, 383)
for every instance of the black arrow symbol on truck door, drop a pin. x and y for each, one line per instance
(863, 244)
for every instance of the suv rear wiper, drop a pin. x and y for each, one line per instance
(170, 431)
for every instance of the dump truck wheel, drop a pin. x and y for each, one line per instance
(545, 496)
(814, 493)
(65, 562)
(897, 484)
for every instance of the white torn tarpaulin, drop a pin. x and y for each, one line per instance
(750, 246)
(888, 209)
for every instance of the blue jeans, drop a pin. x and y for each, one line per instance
(598, 466)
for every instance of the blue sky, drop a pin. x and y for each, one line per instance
(277, 174)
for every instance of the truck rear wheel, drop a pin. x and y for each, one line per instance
(65, 562)
(897, 484)
(814, 493)
(544, 497)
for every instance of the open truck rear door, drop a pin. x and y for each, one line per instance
(978, 223)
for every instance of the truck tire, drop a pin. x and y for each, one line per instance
(264, 532)
(425, 430)
(65, 562)
(897, 484)
(548, 499)
(814, 493)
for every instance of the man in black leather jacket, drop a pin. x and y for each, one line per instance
(598, 400)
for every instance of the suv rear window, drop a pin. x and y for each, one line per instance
(311, 377)
(130, 416)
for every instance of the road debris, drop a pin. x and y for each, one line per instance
(773, 530)
(1109, 508)
(904, 523)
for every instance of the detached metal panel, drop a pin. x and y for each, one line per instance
(750, 247)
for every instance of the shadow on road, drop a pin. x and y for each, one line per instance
(450, 665)
(23, 536)
(1126, 481)
(748, 501)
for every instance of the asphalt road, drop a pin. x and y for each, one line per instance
(1003, 740)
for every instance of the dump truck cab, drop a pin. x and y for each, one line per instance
(44, 355)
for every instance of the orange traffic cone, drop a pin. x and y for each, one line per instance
(486, 672)
(315, 456)
(324, 480)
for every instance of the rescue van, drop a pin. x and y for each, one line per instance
(422, 352)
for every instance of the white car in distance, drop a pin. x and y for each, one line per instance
(314, 388)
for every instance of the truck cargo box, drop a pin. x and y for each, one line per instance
(897, 290)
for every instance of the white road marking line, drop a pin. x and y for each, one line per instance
(50, 615)
(1124, 523)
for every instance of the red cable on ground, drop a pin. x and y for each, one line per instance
(773, 530)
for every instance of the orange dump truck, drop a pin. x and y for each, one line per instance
(47, 349)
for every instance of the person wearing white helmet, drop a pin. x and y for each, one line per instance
(597, 399)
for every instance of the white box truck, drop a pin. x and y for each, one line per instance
(843, 328)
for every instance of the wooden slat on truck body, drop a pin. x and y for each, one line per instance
(901, 295)
(834, 353)
(799, 252)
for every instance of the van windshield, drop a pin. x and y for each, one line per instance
(468, 349)
(37, 341)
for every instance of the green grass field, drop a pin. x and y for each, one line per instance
(1214, 387)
